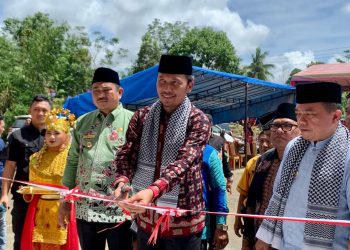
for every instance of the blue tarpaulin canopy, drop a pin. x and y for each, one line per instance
(223, 95)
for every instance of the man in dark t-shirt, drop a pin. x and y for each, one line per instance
(22, 144)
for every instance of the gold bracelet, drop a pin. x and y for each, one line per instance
(29, 200)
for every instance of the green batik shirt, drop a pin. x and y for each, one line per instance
(95, 141)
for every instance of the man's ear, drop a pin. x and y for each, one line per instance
(189, 86)
(337, 115)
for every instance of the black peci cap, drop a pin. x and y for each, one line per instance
(171, 64)
(285, 110)
(106, 75)
(310, 92)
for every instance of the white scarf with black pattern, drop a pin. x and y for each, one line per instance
(174, 138)
(323, 194)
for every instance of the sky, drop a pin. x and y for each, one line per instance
(294, 33)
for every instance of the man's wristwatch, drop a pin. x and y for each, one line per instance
(222, 227)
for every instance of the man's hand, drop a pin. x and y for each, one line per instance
(9, 173)
(64, 214)
(261, 245)
(220, 239)
(144, 197)
(5, 200)
(229, 183)
(122, 191)
(238, 226)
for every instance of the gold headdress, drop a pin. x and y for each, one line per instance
(59, 119)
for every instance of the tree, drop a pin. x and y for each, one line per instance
(292, 73)
(167, 34)
(41, 56)
(257, 68)
(345, 58)
(39, 42)
(158, 39)
(10, 73)
(314, 63)
(50, 56)
(210, 49)
(148, 55)
(73, 70)
(105, 52)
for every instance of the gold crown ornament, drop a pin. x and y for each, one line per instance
(59, 119)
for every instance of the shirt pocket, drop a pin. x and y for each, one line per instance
(28, 149)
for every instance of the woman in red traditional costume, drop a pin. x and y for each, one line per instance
(41, 229)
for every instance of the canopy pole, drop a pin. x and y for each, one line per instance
(245, 123)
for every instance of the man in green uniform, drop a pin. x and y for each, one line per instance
(96, 138)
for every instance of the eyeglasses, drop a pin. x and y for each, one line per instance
(286, 127)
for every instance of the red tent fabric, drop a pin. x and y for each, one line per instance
(336, 72)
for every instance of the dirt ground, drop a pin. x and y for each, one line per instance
(234, 243)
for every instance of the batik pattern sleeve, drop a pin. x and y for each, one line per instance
(125, 163)
(189, 154)
(70, 170)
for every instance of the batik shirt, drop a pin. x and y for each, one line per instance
(95, 140)
(185, 171)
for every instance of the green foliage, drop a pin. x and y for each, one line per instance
(345, 58)
(48, 56)
(167, 34)
(292, 73)
(314, 63)
(258, 68)
(58, 102)
(210, 49)
(105, 52)
(10, 73)
(15, 109)
(39, 42)
(72, 73)
(39, 55)
(343, 103)
(158, 39)
(148, 55)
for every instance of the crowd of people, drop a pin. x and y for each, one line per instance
(166, 155)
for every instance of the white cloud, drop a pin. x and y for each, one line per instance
(287, 62)
(245, 36)
(128, 20)
(299, 59)
(346, 7)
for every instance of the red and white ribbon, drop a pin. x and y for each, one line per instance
(164, 220)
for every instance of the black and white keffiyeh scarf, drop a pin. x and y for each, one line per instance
(174, 138)
(323, 193)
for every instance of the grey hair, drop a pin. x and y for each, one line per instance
(190, 78)
(331, 106)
